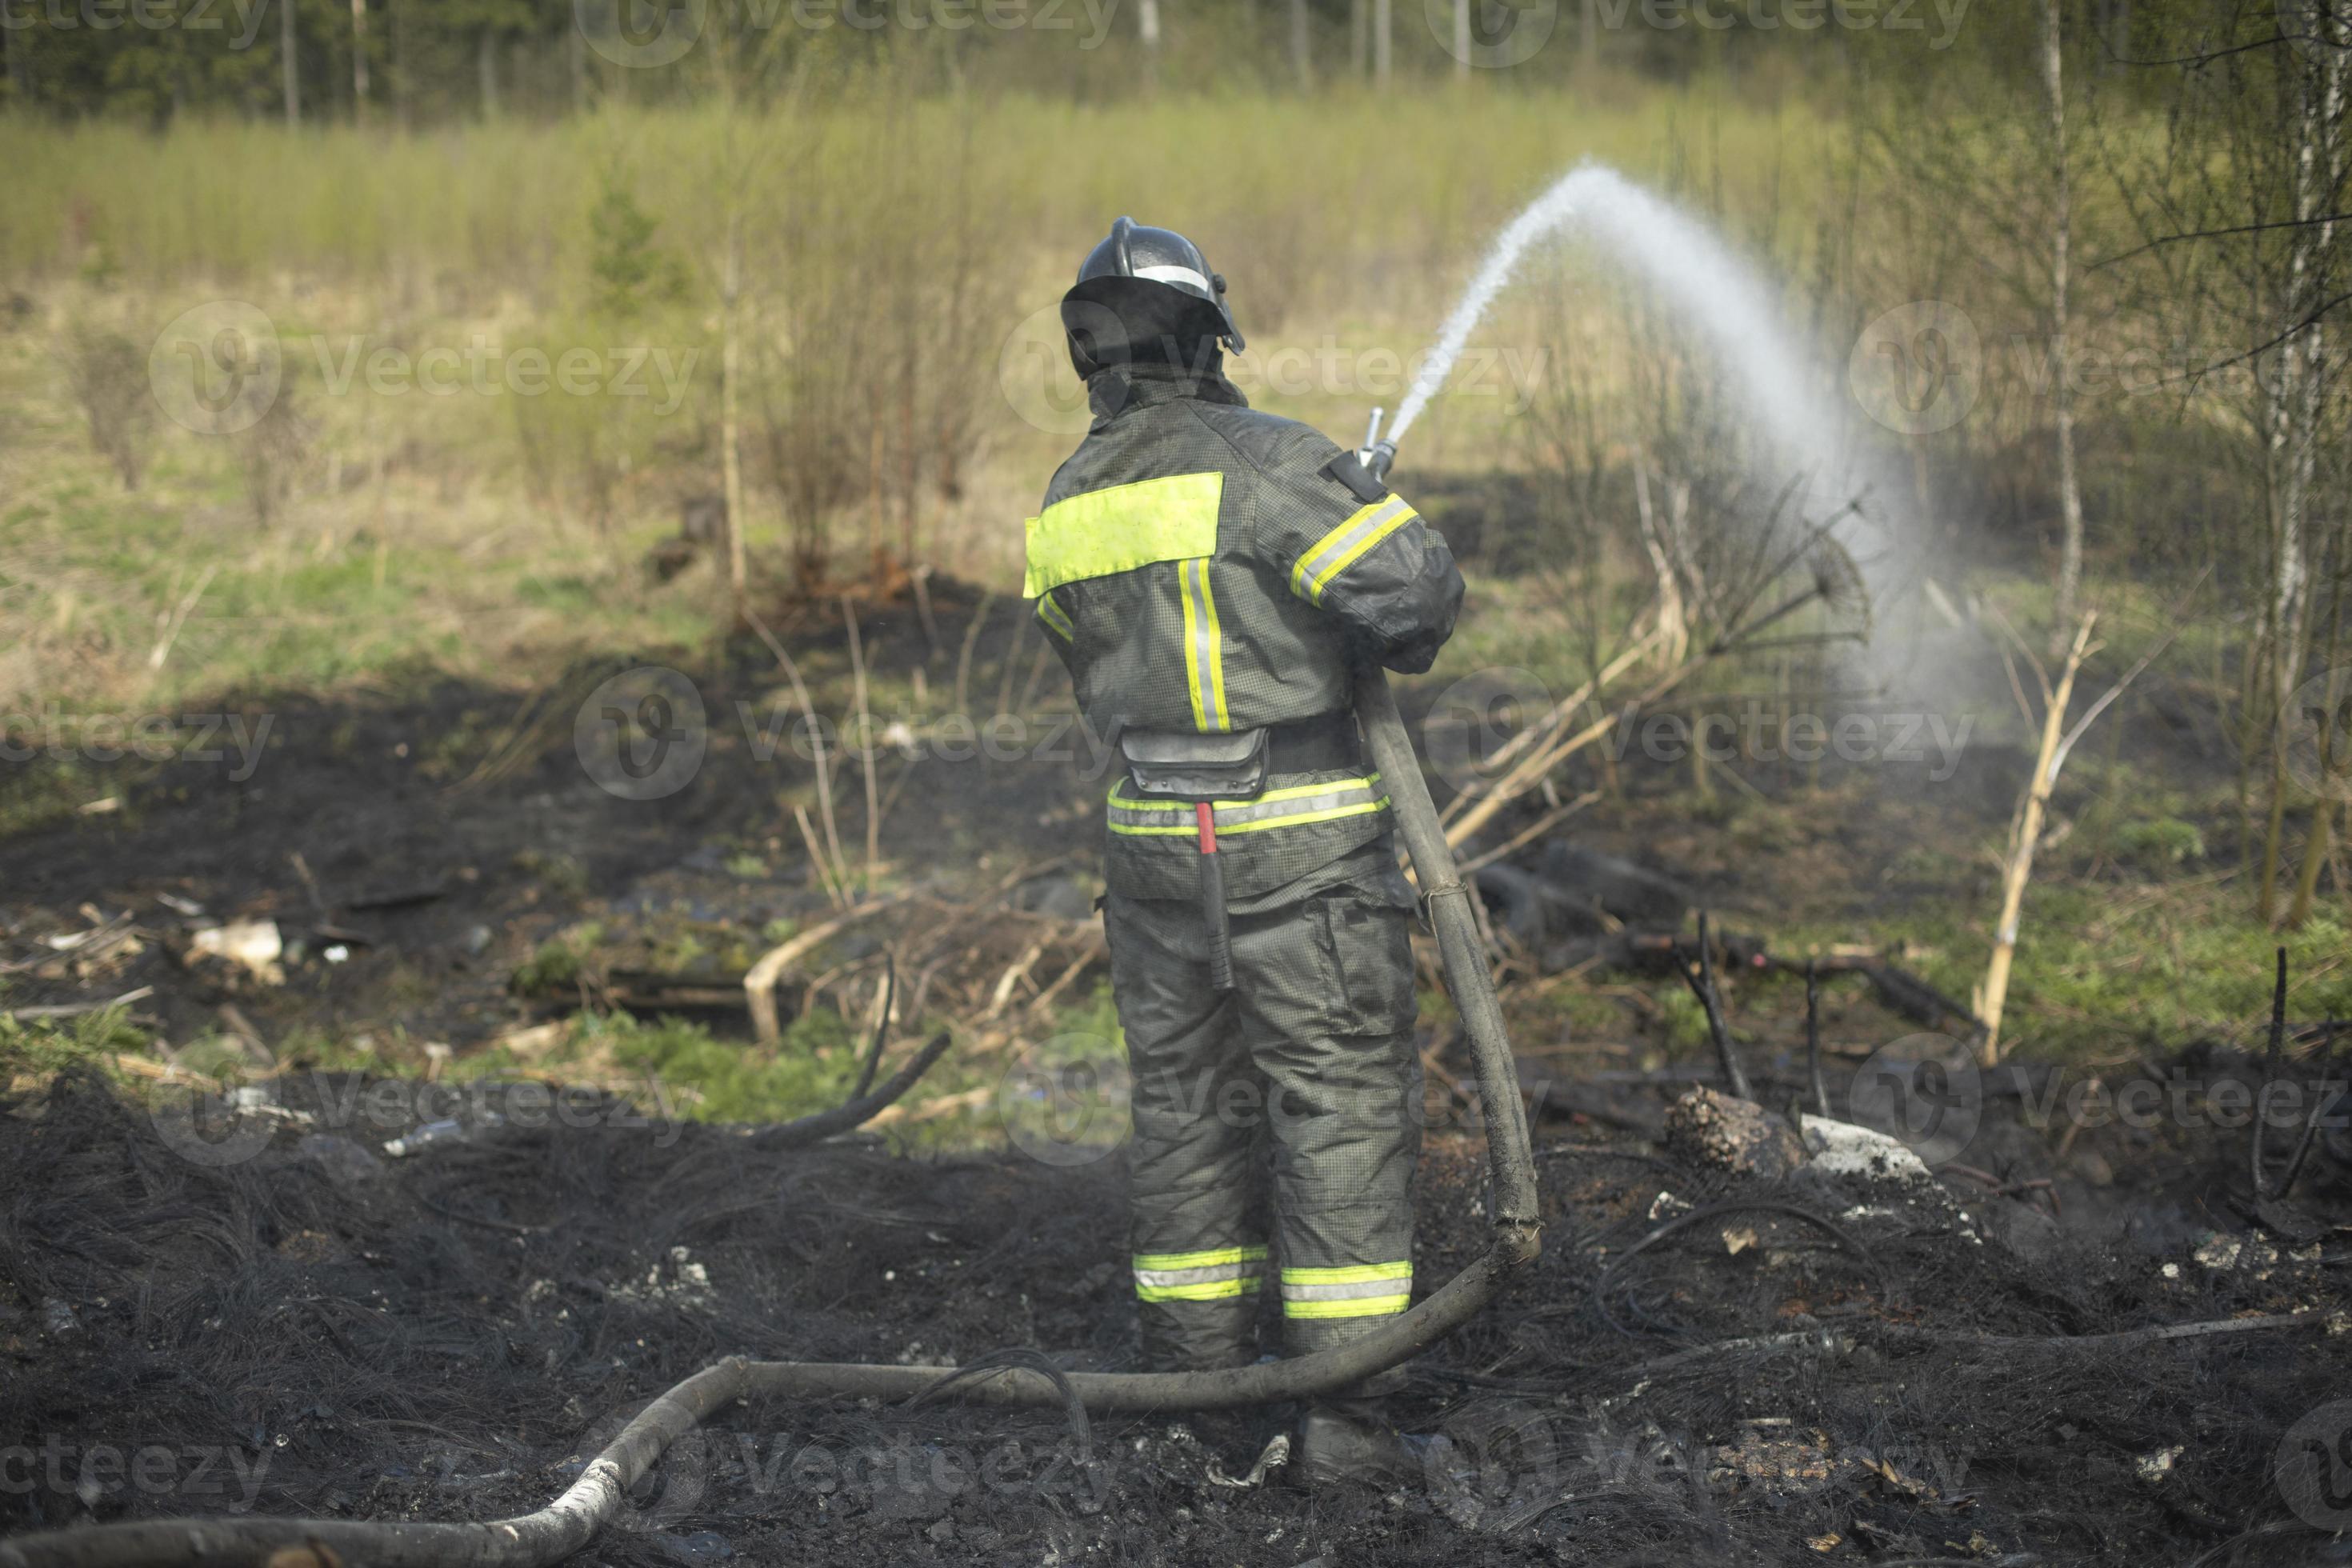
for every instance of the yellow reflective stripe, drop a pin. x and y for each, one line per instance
(1293, 792)
(1119, 529)
(1361, 808)
(1299, 819)
(1250, 816)
(1205, 651)
(1216, 657)
(1209, 1291)
(1209, 1259)
(1340, 549)
(1352, 1273)
(1056, 621)
(1132, 830)
(1362, 1307)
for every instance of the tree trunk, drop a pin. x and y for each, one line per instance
(2333, 716)
(2024, 837)
(2295, 417)
(2070, 495)
(1588, 36)
(398, 11)
(730, 425)
(577, 46)
(485, 71)
(1146, 33)
(1302, 49)
(358, 62)
(1384, 41)
(289, 62)
(1359, 38)
(15, 50)
(1461, 40)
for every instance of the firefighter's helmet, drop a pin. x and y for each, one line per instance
(1155, 281)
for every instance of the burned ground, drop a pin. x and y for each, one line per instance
(1834, 1365)
(438, 833)
(329, 1332)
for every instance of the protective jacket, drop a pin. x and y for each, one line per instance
(1201, 566)
(1205, 569)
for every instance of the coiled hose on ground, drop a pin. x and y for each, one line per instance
(567, 1524)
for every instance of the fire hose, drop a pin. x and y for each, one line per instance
(564, 1526)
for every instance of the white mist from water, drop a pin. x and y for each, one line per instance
(1704, 283)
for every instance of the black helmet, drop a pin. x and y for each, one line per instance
(1140, 286)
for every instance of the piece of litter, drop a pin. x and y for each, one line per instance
(334, 953)
(1272, 1457)
(449, 1130)
(254, 944)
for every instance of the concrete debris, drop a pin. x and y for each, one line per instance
(1843, 1149)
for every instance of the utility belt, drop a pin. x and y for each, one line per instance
(1222, 778)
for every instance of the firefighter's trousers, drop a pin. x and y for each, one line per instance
(1305, 1071)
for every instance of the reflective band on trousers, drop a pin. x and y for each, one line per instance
(1275, 808)
(1204, 650)
(1356, 1291)
(1339, 549)
(1211, 1276)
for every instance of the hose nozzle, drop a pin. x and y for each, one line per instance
(1376, 455)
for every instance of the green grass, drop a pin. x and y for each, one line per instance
(513, 200)
(816, 1066)
(2103, 971)
(41, 1047)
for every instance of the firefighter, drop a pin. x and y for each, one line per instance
(1208, 572)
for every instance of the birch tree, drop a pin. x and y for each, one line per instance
(2061, 223)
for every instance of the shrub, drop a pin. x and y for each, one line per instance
(109, 374)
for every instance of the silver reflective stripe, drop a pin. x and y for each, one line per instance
(1278, 808)
(1322, 560)
(1174, 275)
(1204, 642)
(1295, 805)
(1162, 1277)
(1354, 1291)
